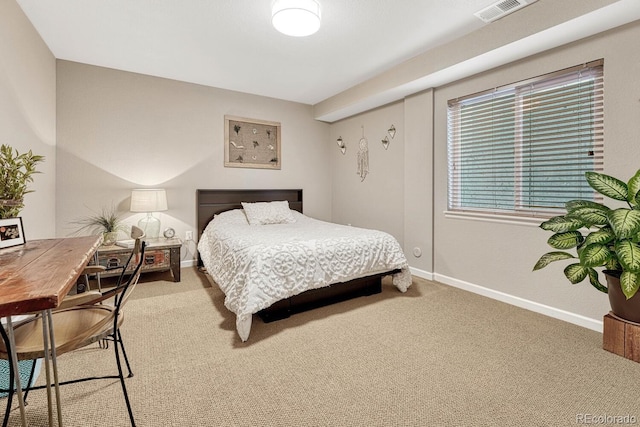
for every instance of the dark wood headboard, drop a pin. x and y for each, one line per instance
(212, 202)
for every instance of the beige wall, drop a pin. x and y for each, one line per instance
(500, 256)
(376, 202)
(418, 181)
(28, 111)
(119, 130)
(396, 196)
(491, 258)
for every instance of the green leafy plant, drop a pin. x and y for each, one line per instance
(107, 221)
(16, 172)
(601, 236)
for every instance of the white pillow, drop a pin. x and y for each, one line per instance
(235, 216)
(261, 213)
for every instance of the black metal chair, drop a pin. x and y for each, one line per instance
(80, 320)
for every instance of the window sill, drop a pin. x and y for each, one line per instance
(490, 217)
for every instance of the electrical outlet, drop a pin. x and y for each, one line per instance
(189, 235)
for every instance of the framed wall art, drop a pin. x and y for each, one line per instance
(251, 143)
(11, 232)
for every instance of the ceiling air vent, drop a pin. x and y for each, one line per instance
(501, 8)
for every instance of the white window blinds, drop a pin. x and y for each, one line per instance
(523, 149)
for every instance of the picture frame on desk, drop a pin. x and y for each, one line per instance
(11, 232)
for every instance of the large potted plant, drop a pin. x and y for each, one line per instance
(602, 237)
(16, 172)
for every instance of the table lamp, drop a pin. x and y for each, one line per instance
(149, 200)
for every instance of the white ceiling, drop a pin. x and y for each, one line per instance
(231, 44)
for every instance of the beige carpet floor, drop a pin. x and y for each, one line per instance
(434, 356)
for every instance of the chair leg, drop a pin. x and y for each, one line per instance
(124, 387)
(12, 359)
(124, 352)
(7, 411)
(10, 391)
(9, 359)
(28, 387)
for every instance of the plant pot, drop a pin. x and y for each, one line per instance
(109, 238)
(10, 208)
(628, 309)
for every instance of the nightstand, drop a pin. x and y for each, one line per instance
(161, 254)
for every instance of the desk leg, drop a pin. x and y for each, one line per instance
(54, 363)
(47, 365)
(14, 360)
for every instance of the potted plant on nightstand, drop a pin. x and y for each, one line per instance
(602, 237)
(107, 223)
(16, 172)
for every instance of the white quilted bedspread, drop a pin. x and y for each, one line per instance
(256, 266)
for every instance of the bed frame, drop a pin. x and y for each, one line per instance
(212, 202)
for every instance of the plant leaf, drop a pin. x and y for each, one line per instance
(561, 224)
(607, 185)
(613, 264)
(604, 235)
(633, 188)
(628, 255)
(590, 216)
(550, 257)
(630, 282)
(567, 240)
(594, 255)
(624, 222)
(572, 205)
(576, 273)
(595, 282)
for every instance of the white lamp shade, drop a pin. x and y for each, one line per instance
(296, 18)
(148, 200)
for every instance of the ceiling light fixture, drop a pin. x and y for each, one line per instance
(297, 18)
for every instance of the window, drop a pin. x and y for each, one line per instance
(523, 149)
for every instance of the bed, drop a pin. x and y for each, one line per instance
(285, 262)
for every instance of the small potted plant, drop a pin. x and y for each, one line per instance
(602, 237)
(107, 223)
(16, 172)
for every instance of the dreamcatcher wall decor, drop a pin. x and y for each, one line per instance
(363, 157)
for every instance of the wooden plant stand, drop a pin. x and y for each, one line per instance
(621, 337)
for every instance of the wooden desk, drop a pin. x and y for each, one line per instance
(36, 277)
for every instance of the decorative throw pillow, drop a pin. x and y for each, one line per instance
(235, 217)
(261, 213)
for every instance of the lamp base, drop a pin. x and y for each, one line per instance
(150, 225)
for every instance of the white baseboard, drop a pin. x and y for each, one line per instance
(187, 263)
(556, 313)
(421, 273)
